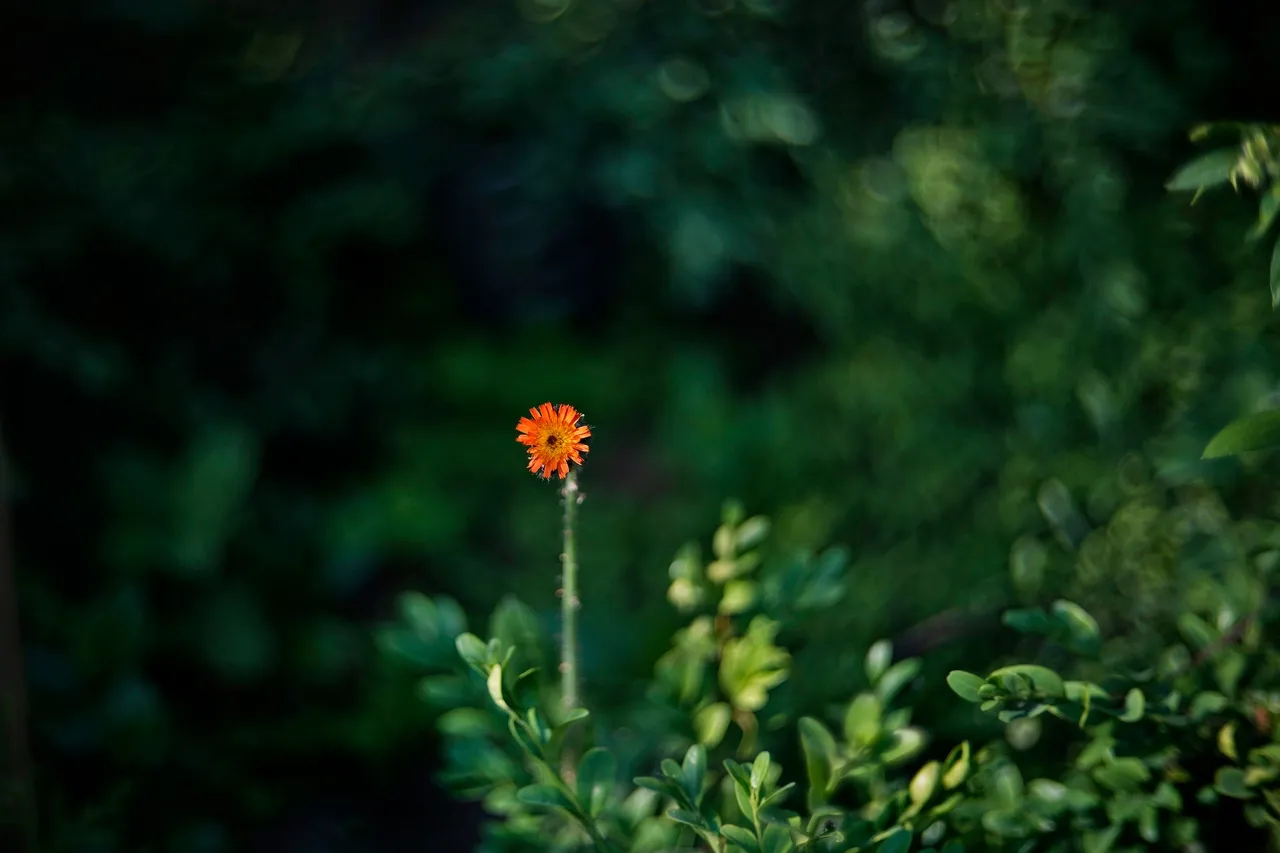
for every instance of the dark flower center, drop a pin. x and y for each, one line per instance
(553, 440)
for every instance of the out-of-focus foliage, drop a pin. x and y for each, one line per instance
(1160, 735)
(273, 292)
(1255, 161)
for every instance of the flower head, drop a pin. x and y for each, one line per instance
(554, 439)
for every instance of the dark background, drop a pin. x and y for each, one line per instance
(277, 279)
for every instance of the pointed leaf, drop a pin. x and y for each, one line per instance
(1253, 432)
(820, 753)
(862, 720)
(472, 651)
(759, 770)
(596, 771)
(547, 796)
(899, 841)
(1208, 170)
(741, 836)
(1268, 207)
(494, 683)
(694, 771)
(879, 656)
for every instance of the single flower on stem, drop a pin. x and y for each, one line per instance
(554, 439)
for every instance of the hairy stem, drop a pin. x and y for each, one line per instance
(569, 598)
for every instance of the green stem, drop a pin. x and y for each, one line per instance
(569, 598)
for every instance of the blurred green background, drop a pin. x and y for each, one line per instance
(276, 281)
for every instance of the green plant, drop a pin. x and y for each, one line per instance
(1159, 738)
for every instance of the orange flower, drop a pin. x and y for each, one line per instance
(554, 439)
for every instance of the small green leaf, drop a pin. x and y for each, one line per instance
(1135, 705)
(1208, 170)
(777, 796)
(494, 683)
(777, 839)
(711, 723)
(862, 720)
(665, 787)
(965, 684)
(1101, 840)
(820, 754)
(879, 656)
(1122, 774)
(1229, 781)
(1080, 624)
(956, 767)
(1268, 207)
(897, 677)
(1227, 741)
(759, 770)
(924, 783)
(740, 774)
(596, 771)
(688, 818)
(547, 796)
(694, 771)
(751, 533)
(741, 836)
(898, 841)
(1043, 680)
(573, 716)
(472, 651)
(1252, 432)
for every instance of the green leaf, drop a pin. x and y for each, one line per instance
(1229, 781)
(547, 796)
(751, 533)
(898, 676)
(1080, 624)
(688, 818)
(759, 771)
(1275, 274)
(665, 787)
(898, 841)
(1135, 705)
(1043, 680)
(777, 839)
(1268, 207)
(694, 771)
(965, 684)
(1122, 774)
(1208, 170)
(777, 796)
(1252, 432)
(820, 755)
(573, 716)
(878, 659)
(711, 723)
(924, 783)
(596, 771)
(494, 683)
(1102, 840)
(741, 836)
(956, 767)
(740, 774)
(473, 652)
(862, 720)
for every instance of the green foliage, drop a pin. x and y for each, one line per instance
(1150, 742)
